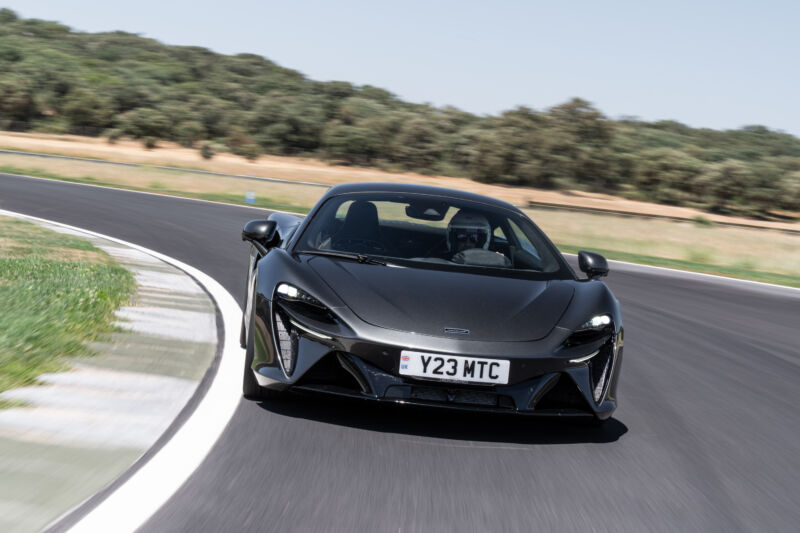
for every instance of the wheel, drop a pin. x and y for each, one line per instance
(250, 387)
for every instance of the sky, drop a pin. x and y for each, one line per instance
(715, 64)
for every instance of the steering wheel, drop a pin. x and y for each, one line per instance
(439, 245)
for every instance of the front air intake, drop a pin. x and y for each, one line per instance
(334, 372)
(600, 371)
(564, 396)
(287, 339)
(461, 396)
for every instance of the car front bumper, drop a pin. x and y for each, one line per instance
(539, 385)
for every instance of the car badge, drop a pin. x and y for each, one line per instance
(456, 331)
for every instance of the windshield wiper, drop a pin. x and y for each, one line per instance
(360, 258)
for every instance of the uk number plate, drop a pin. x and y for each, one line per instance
(453, 367)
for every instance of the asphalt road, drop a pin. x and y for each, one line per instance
(706, 438)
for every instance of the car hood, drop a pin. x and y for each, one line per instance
(426, 301)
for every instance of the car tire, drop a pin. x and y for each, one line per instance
(250, 387)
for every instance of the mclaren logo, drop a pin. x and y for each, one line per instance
(456, 331)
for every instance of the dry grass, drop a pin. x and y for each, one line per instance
(11, 249)
(313, 170)
(45, 244)
(741, 248)
(148, 178)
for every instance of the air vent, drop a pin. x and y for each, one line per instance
(600, 371)
(287, 339)
(564, 396)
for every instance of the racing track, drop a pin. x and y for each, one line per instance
(707, 436)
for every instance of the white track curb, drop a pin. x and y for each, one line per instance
(138, 498)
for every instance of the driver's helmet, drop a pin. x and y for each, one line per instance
(468, 229)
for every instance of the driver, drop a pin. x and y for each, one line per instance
(468, 235)
(467, 230)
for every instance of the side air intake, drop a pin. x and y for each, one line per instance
(287, 339)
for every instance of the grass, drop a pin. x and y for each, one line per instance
(749, 253)
(57, 292)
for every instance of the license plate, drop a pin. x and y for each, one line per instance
(453, 367)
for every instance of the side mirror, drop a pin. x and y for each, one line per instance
(594, 265)
(261, 233)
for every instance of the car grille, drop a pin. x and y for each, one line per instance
(461, 396)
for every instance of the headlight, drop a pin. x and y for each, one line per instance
(596, 328)
(293, 294)
(595, 323)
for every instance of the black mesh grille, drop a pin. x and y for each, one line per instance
(431, 395)
(462, 396)
(287, 339)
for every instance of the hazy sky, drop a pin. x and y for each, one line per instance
(718, 64)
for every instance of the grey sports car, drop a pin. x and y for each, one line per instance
(422, 295)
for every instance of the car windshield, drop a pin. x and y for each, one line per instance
(432, 232)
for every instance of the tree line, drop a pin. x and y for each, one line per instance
(53, 79)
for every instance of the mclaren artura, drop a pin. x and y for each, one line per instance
(421, 295)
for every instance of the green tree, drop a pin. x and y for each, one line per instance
(249, 151)
(585, 123)
(187, 133)
(667, 175)
(349, 144)
(88, 113)
(417, 144)
(789, 192)
(721, 185)
(356, 109)
(7, 16)
(207, 149)
(484, 156)
(145, 122)
(17, 101)
(375, 93)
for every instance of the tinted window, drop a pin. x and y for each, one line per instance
(422, 230)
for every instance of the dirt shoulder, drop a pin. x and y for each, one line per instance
(312, 170)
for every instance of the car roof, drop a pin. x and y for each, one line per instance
(407, 188)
